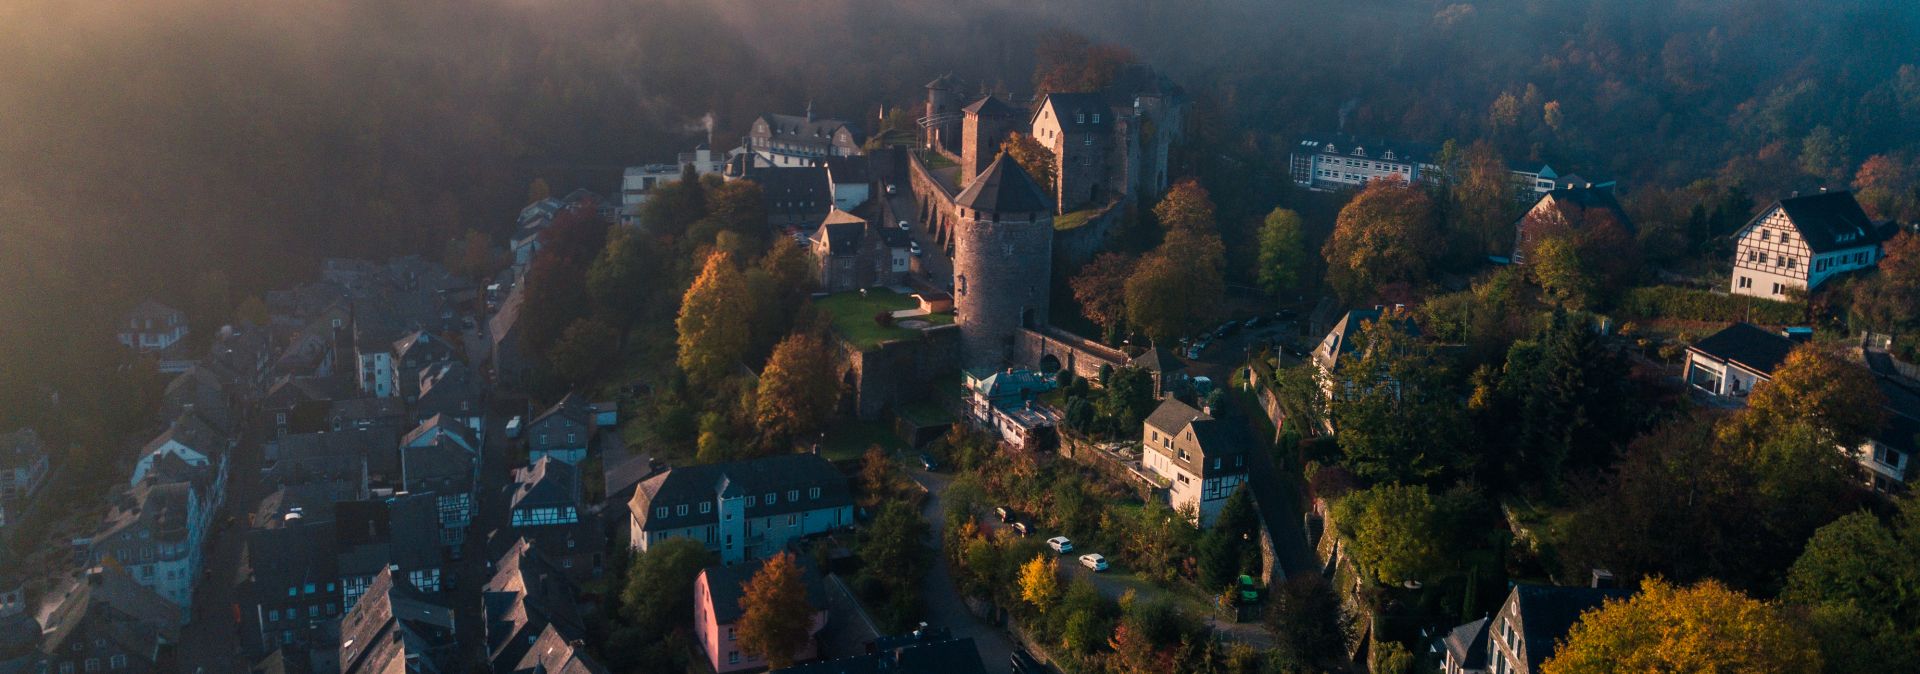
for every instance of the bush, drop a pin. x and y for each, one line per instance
(1700, 305)
(883, 319)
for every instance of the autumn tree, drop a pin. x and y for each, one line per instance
(1186, 207)
(658, 594)
(1858, 586)
(1564, 398)
(1815, 387)
(798, 389)
(712, 334)
(1067, 62)
(1395, 531)
(1890, 299)
(1177, 288)
(581, 354)
(1033, 157)
(1395, 415)
(1703, 628)
(775, 620)
(1480, 201)
(1555, 265)
(737, 207)
(1385, 235)
(1101, 290)
(625, 280)
(1888, 186)
(1283, 251)
(473, 256)
(1040, 582)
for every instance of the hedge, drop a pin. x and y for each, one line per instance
(1701, 305)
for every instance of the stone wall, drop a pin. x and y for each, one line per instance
(881, 378)
(1074, 247)
(1082, 357)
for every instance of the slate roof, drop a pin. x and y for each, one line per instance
(1750, 346)
(440, 425)
(1004, 188)
(1078, 111)
(798, 128)
(1547, 613)
(790, 183)
(1375, 148)
(159, 509)
(526, 596)
(20, 448)
(1584, 199)
(1216, 438)
(442, 466)
(572, 407)
(19, 636)
(1172, 416)
(553, 653)
(1348, 331)
(108, 603)
(1159, 359)
(725, 587)
(391, 624)
(1829, 221)
(848, 170)
(774, 474)
(954, 656)
(334, 455)
(1468, 644)
(991, 106)
(398, 530)
(546, 483)
(843, 233)
(293, 555)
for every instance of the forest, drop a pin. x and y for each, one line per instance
(198, 151)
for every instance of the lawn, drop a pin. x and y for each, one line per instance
(1075, 219)
(935, 160)
(853, 316)
(848, 440)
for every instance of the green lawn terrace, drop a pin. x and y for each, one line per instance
(853, 315)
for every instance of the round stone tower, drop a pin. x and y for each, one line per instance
(1002, 261)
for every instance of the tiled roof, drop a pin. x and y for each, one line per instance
(1004, 188)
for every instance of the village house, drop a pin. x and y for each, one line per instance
(1800, 242)
(792, 140)
(1565, 211)
(106, 622)
(528, 598)
(1530, 625)
(851, 182)
(1886, 458)
(743, 509)
(1729, 363)
(1003, 403)
(290, 586)
(452, 390)
(438, 427)
(853, 253)
(1343, 342)
(1201, 459)
(1337, 161)
(152, 326)
(396, 534)
(637, 182)
(544, 510)
(564, 431)
(716, 612)
(448, 472)
(797, 197)
(348, 461)
(413, 353)
(395, 628)
(154, 531)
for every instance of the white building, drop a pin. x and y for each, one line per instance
(1203, 460)
(792, 140)
(1340, 161)
(152, 326)
(743, 509)
(639, 180)
(1798, 243)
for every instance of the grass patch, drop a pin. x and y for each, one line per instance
(927, 413)
(848, 440)
(935, 160)
(1074, 220)
(853, 316)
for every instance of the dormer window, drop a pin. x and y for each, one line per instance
(1359, 151)
(1079, 118)
(1389, 155)
(1096, 118)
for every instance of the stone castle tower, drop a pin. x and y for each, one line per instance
(986, 123)
(942, 114)
(1002, 261)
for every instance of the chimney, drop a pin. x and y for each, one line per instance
(1603, 580)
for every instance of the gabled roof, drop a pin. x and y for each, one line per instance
(1468, 644)
(801, 128)
(290, 556)
(842, 232)
(1081, 112)
(108, 603)
(572, 407)
(440, 425)
(786, 183)
(546, 483)
(1547, 613)
(1748, 345)
(1347, 332)
(1004, 188)
(1159, 359)
(553, 653)
(526, 596)
(774, 474)
(393, 628)
(991, 106)
(1172, 416)
(441, 466)
(1829, 221)
(1576, 202)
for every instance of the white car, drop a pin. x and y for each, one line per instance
(1094, 561)
(914, 248)
(892, 190)
(905, 226)
(1060, 544)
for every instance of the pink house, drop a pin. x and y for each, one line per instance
(716, 607)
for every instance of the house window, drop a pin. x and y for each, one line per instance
(733, 657)
(730, 634)
(660, 511)
(770, 497)
(1096, 118)
(813, 493)
(1766, 235)
(793, 494)
(705, 507)
(751, 501)
(680, 510)
(117, 662)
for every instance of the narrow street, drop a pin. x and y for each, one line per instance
(945, 608)
(212, 641)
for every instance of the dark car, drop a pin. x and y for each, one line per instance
(926, 461)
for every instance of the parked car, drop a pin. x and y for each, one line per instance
(1003, 513)
(914, 247)
(926, 461)
(1022, 529)
(905, 226)
(1094, 561)
(892, 189)
(1060, 544)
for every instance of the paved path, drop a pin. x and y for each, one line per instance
(944, 607)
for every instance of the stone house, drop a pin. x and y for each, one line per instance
(854, 253)
(564, 431)
(793, 140)
(1203, 460)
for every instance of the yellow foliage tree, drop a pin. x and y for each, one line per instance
(712, 330)
(1040, 582)
(775, 620)
(1816, 387)
(797, 389)
(1703, 628)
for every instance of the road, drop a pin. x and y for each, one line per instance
(944, 606)
(933, 264)
(212, 641)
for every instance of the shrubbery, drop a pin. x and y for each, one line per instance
(1701, 305)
